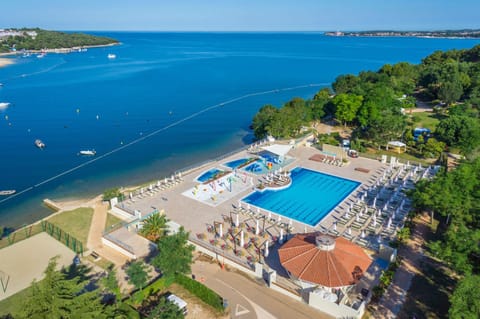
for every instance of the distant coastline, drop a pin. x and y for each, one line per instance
(445, 34)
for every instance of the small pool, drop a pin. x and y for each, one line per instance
(309, 199)
(255, 167)
(208, 175)
(236, 163)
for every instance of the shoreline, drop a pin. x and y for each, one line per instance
(61, 50)
(6, 62)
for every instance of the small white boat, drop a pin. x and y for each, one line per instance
(7, 192)
(41, 55)
(111, 56)
(4, 105)
(40, 144)
(87, 153)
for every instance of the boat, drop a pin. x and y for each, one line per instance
(41, 55)
(4, 105)
(7, 192)
(87, 152)
(111, 56)
(40, 144)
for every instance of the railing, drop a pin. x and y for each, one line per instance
(123, 245)
(220, 252)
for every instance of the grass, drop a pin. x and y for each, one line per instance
(426, 119)
(13, 305)
(75, 222)
(111, 220)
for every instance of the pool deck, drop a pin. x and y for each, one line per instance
(196, 216)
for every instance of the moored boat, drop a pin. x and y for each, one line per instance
(111, 56)
(87, 152)
(7, 192)
(4, 105)
(40, 144)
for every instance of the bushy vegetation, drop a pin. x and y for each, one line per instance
(375, 104)
(52, 40)
(207, 295)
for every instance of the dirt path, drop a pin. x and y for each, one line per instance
(412, 255)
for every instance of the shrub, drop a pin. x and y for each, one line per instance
(201, 291)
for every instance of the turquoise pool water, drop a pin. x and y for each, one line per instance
(236, 163)
(309, 199)
(208, 175)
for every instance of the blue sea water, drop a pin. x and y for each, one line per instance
(160, 84)
(310, 197)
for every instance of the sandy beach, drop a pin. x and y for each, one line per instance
(5, 62)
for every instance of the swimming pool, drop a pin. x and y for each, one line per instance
(208, 175)
(309, 199)
(236, 163)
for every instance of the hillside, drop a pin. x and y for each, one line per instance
(38, 39)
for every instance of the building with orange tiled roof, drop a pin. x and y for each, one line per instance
(315, 259)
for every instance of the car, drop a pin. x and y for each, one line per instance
(353, 153)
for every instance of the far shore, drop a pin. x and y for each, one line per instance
(60, 50)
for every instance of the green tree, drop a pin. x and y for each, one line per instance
(154, 226)
(110, 283)
(110, 193)
(465, 303)
(347, 106)
(262, 121)
(174, 254)
(433, 148)
(62, 295)
(460, 131)
(166, 310)
(450, 92)
(137, 274)
(345, 83)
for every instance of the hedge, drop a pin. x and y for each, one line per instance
(205, 294)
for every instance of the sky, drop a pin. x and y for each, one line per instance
(241, 15)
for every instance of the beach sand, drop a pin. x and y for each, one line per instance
(5, 62)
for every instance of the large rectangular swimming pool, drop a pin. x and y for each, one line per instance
(310, 197)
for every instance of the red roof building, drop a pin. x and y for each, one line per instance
(324, 260)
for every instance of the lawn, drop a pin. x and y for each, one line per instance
(426, 119)
(75, 222)
(111, 220)
(13, 304)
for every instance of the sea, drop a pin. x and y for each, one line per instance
(166, 102)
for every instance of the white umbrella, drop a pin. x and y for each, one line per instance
(258, 210)
(266, 249)
(165, 180)
(173, 177)
(379, 239)
(279, 218)
(248, 206)
(242, 239)
(351, 206)
(239, 204)
(374, 201)
(281, 235)
(366, 210)
(362, 234)
(385, 207)
(269, 215)
(357, 217)
(374, 221)
(130, 195)
(335, 226)
(305, 229)
(389, 223)
(346, 215)
(220, 230)
(349, 230)
(290, 222)
(158, 183)
(379, 212)
(237, 221)
(257, 228)
(180, 174)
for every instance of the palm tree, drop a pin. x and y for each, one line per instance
(154, 227)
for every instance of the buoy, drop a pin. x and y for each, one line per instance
(98, 116)
(78, 110)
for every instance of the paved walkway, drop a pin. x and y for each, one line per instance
(392, 301)
(245, 295)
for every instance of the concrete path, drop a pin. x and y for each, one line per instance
(249, 299)
(97, 226)
(392, 301)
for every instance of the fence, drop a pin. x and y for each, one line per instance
(63, 237)
(20, 234)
